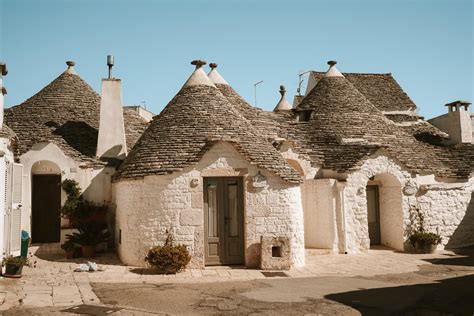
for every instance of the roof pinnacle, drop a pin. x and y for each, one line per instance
(332, 71)
(198, 63)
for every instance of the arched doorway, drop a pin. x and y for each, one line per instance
(384, 211)
(45, 202)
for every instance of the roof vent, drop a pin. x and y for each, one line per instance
(110, 63)
(198, 63)
(332, 71)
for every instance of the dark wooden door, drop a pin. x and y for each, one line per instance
(46, 208)
(224, 221)
(373, 214)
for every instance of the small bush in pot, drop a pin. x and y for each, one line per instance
(169, 258)
(14, 266)
(421, 240)
(89, 235)
(69, 246)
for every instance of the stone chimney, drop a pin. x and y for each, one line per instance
(3, 91)
(111, 142)
(457, 122)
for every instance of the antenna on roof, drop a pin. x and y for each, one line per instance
(300, 81)
(110, 63)
(255, 90)
(144, 104)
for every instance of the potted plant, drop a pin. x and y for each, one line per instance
(14, 266)
(89, 235)
(76, 209)
(69, 246)
(169, 258)
(421, 240)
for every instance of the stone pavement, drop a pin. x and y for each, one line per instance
(53, 282)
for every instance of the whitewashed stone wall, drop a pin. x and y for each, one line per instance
(447, 207)
(146, 208)
(449, 211)
(319, 204)
(47, 158)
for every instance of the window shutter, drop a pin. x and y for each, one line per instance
(7, 216)
(17, 183)
(16, 231)
(17, 186)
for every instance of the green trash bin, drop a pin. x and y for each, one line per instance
(25, 240)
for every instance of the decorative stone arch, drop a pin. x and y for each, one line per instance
(390, 179)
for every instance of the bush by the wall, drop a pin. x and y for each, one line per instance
(169, 258)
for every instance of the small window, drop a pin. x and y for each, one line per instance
(276, 252)
(304, 116)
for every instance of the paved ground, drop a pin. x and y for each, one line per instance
(380, 282)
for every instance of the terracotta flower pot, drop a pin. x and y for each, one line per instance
(425, 248)
(13, 271)
(88, 251)
(70, 254)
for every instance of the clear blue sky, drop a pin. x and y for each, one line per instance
(426, 44)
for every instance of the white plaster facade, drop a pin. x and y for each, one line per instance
(147, 207)
(47, 158)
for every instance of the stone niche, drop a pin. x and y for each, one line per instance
(275, 253)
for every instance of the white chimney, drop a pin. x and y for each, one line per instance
(111, 141)
(457, 122)
(3, 91)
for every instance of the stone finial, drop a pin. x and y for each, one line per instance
(213, 65)
(198, 63)
(282, 90)
(3, 69)
(332, 71)
(70, 67)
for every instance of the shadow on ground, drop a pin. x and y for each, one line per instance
(443, 296)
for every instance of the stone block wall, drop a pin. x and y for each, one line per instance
(147, 207)
(447, 207)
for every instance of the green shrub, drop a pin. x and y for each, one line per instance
(75, 205)
(424, 238)
(169, 258)
(16, 261)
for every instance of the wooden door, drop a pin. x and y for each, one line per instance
(46, 208)
(224, 221)
(373, 214)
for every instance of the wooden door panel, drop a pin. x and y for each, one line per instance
(46, 208)
(223, 213)
(373, 214)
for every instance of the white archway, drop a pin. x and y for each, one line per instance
(389, 203)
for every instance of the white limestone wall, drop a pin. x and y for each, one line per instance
(393, 204)
(448, 208)
(47, 158)
(319, 204)
(147, 207)
(449, 211)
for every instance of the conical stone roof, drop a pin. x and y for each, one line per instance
(198, 117)
(65, 112)
(345, 128)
